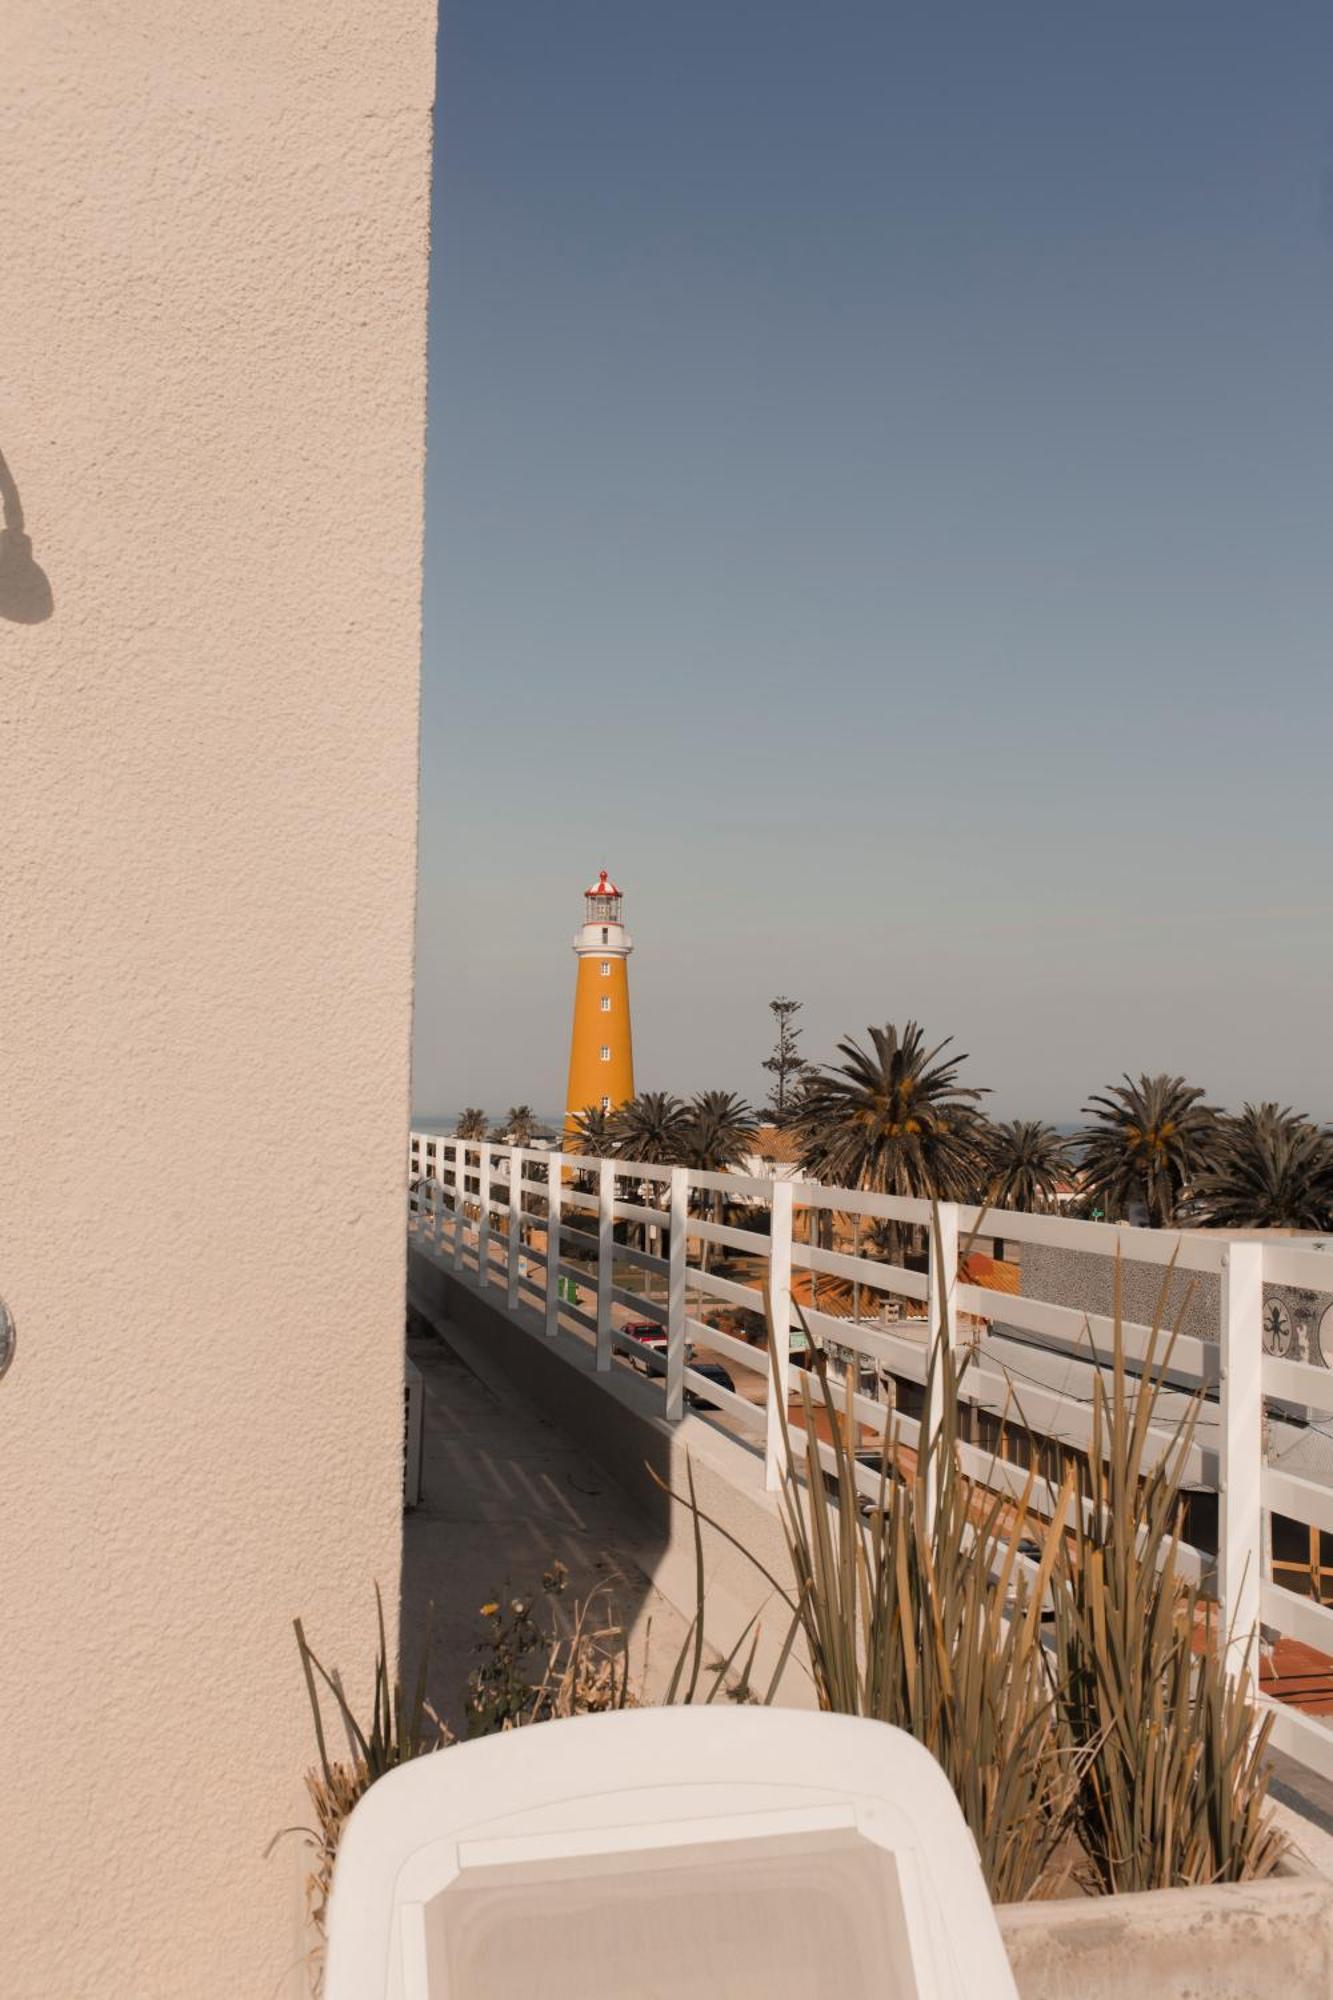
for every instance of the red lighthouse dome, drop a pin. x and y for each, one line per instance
(602, 901)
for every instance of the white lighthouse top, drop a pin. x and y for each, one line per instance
(603, 931)
(602, 901)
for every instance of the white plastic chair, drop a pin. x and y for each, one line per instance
(666, 1854)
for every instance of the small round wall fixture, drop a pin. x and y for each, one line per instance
(8, 1337)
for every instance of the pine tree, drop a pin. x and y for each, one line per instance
(784, 1065)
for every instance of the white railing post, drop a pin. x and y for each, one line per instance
(779, 1312)
(1240, 1450)
(555, 1187)
(606, 1245)
(942, 1328)
(515, 1243)
(676, 1264)
(484, 1214)
(458, 1150)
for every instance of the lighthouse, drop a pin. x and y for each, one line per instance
(601, 1053)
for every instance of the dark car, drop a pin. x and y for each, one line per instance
(1033, 1552)
(869, 1461)
(712, 1371)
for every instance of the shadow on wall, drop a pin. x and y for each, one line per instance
(25, 590)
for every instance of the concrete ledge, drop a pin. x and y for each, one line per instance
(614, 1418)
(1232, 1942)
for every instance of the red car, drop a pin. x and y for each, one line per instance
(652, 1339)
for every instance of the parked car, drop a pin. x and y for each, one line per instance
(652, 1339)
(869, 1461)
(712, 1371)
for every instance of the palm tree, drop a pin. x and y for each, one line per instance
(520, 1124)
(1027, 1163)
(720, 1131)
(719, 1135)
(895, 1118)
(1153, 1137)
(593, 1132)
(471, 1125)
(652, 1127)
(1273, 1170)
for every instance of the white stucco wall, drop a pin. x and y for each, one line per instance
(212, 354)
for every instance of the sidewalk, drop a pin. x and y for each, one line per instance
(504, 1494)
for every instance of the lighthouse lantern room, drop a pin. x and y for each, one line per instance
(601, 1055)
(602, 902)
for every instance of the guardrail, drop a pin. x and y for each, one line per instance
(584, 1242)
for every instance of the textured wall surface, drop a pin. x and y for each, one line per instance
(212, 416)
(1149, 1294)
(1190, 1298)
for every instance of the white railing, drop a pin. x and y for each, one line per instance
(540, 1230)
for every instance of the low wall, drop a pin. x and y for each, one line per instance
(1192, 1299)
(1086, 1281)
(1232, 1942)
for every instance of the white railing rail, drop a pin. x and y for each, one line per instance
(584, 1244)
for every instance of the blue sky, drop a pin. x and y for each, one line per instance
(879, 495)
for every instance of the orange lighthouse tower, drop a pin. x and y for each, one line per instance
(601, 1053)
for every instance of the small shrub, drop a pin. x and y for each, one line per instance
(538, 1669)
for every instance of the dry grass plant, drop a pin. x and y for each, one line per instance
(533, 1672)
(1173, 1782)
(919, 1612)
(1117, 1725)
(399, 1729)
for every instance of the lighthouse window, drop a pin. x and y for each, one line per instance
(606, 935)
(606, 968)
(606, 1003)
(606, 1104)
(606, 1053)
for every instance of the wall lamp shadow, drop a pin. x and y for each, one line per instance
(25, 589)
